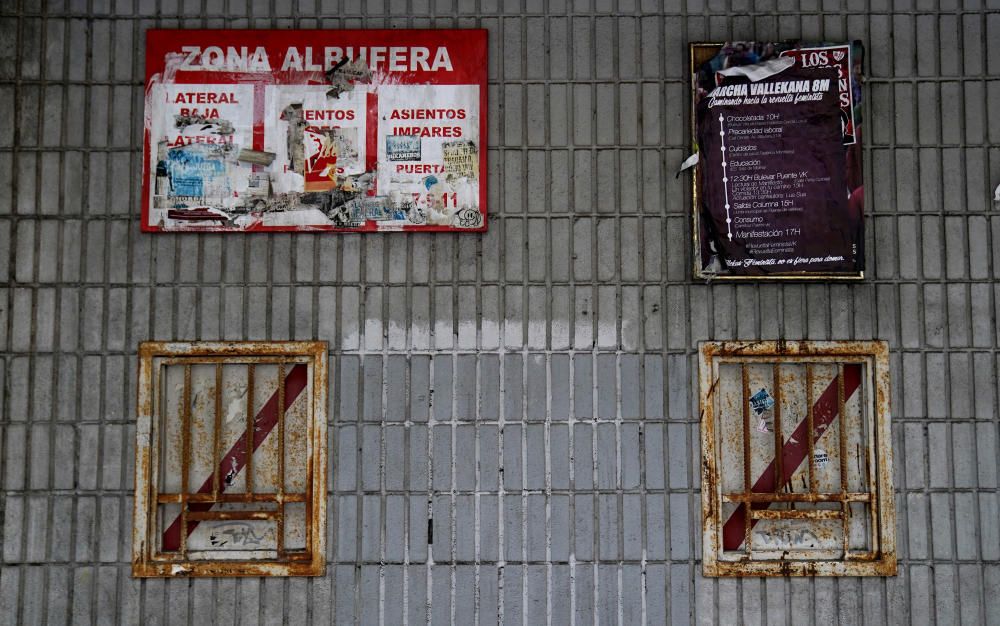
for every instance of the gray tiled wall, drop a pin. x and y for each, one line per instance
(526, 396)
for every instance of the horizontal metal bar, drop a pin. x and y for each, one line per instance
(233, 515)
(777, 514)
(177, 498)
(797, 497)
(232, 360)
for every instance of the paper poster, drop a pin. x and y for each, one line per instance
(339, 130)
(779, 182)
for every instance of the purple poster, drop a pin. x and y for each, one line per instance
(779, 171)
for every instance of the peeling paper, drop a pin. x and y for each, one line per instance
(688, 163)
(996, 194)
(760, 71)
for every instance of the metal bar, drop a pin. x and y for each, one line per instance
(811, 428)
(309, 489)
(281, 461)
(811, 514)
(234, 360)
(779, 441)
(842, 429)
(745, 393)
(232, 515)
(873, 460)
(315, 505)
(185, 455)
(216, 435)
(167, 498)
(250, 434)
(796, 497)
(157, 460)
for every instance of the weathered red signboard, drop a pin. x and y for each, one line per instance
(335, 130)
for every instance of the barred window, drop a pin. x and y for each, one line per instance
(797, 459)
(230, 459)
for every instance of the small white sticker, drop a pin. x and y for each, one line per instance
(821, 458)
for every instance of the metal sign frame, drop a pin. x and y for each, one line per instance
(289, 356)
(346, 130)
(871, 360)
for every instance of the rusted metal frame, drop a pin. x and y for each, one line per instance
(144, 503)
(185, 455)
(812, 429)
(154, 460)
(251, 431)
(233, 515)
(280, 518)
(306, 563)
(711, 502)
(779, 440)
(797, 497)
(216, 434)
(234, 360)
(810, 514)
(747, 484)
(786, 568)
(316, 461)
(872, 355)
(842, 431)
(847, 351)
(165, 498)
(228, 349)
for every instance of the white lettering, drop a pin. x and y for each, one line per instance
(441, 60)
(397, 59)
(292, 61)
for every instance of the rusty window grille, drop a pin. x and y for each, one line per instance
(230, 459)
(777, 500)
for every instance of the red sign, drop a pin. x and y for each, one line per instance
(342, 130)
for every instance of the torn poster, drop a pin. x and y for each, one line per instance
(347, 130)
(778, 186)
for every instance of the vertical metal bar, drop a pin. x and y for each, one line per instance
(216, 435)
(745, 393)
(779, 439)
(310, 451)
(158, 435)
(811, 428)
(871, 414)
(280, 520)
(845, 506)
(250, 428)
(185, 456)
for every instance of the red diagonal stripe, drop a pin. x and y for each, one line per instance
(236, 458)
(792, 454)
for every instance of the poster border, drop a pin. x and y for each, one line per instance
(696, 53)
